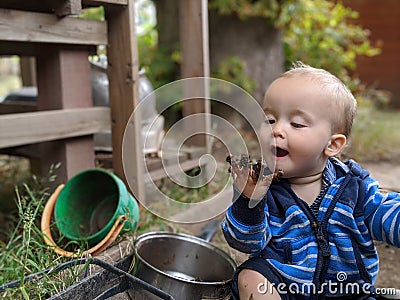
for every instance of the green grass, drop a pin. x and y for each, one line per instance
(375, 136)
(24, 251)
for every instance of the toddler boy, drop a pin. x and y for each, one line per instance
(310, 235)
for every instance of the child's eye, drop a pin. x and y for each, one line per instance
(297, 125)
(269, 121)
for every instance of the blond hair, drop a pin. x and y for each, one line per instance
(335, 90)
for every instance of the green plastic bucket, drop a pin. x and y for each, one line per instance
(89, 205)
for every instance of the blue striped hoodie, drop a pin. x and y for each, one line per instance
(310, 252)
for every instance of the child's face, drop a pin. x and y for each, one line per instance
(301, 127)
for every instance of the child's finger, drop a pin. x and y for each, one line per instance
(234, 175)
(268, 178)
(238, 169)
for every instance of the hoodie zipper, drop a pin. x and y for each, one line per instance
(321, 234)
(324, 251)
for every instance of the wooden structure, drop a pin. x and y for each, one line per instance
(62, 128)
(193, 17)
(65, 121)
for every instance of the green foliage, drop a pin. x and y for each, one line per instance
(162, 67)
(93, 13)
(368, 96)
(322, 33)
(233, 69)
(244, 9)
(161, 64)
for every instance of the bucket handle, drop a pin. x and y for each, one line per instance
(101, 246)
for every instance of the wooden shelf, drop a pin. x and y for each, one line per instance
(46, 6)
(104, 2)
(58, 7)
(22, 26)
(43, 126)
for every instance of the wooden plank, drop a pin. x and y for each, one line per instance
(28, 151)
(193, 17)
(51, 6)
(34, 49)
(28, 71)
(48, 6)
(24, 26)
(35, 127)
(13, 108)
(69, 7)
(123, 78)
(104, 2)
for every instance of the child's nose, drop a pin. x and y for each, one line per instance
(277, 130)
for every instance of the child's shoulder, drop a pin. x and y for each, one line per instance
(350, 166)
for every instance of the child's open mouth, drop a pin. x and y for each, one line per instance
(279, 152)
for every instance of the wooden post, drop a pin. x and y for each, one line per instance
(124, 95)
(63, 78)
(69, 7)
(193, 17)
(28, 71)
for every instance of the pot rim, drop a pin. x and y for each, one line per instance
(181, 236)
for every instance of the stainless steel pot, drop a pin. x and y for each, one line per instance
(184, 266)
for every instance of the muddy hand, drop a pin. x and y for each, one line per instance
(247, 180)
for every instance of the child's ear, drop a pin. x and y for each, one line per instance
(335, 145)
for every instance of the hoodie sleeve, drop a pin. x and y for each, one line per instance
(246, 229)
(382, 213)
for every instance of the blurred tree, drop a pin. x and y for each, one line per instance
(322, 33)
(245, 9)
(318, 32)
